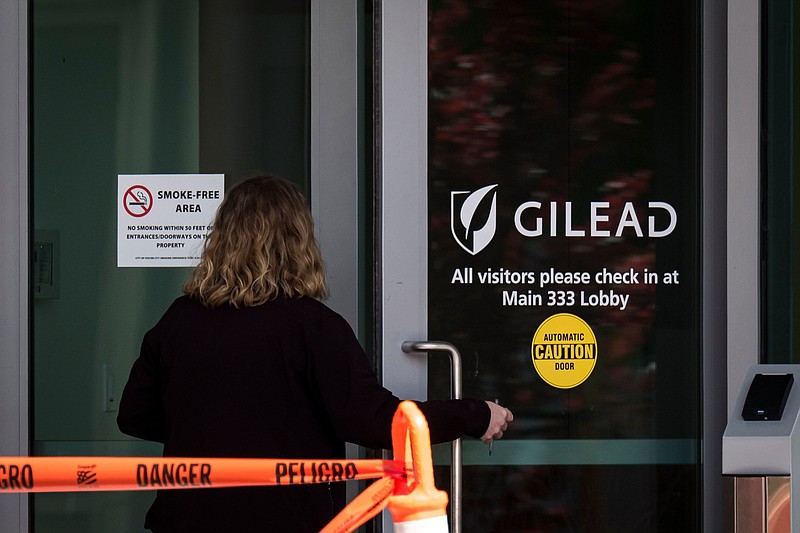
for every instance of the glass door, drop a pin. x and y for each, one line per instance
(148, 88)
(554, 242)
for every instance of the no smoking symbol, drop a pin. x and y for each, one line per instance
(137, 201)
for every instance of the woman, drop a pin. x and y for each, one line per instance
(249, 363)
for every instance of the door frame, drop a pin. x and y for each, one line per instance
(401, 184)
(334, 151)
(14, 242)
(403, 193)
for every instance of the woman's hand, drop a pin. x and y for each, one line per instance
(498, 423)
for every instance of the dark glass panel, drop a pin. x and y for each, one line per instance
(590, 109)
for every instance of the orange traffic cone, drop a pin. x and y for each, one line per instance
(417, 506)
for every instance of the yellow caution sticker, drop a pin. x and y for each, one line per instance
(564, 351)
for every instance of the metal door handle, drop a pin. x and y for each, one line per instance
(455, 446)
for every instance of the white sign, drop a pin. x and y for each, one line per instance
(163, 219)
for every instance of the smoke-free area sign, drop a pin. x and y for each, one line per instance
(163, 219)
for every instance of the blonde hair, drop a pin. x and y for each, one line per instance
(261, 246)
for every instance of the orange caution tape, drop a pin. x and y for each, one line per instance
(410, 498)
(363, 507)
(407, 486)
(68, 474)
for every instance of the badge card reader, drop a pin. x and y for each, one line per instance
(761, 451)
(767, 395)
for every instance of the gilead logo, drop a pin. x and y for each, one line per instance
(473, 219)
(564, 351)
(471, 238)
(601, 220)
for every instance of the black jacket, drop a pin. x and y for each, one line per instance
(286, 379)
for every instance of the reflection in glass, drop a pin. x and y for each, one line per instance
(780, 193)
(127, 87)
(589, 109)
